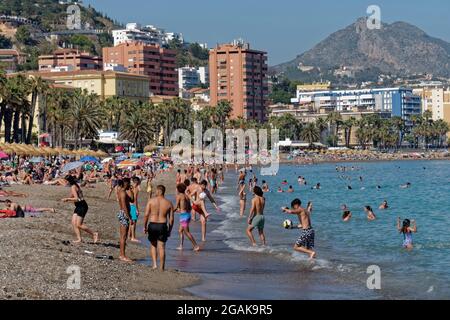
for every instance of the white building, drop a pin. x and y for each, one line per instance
(398, 101)
(149, 34)
(114, 67)
(190, 77)
(134, 32)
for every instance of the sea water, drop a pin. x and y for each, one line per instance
(231, 268)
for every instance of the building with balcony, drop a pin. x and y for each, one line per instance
(149, 35)
(157, 63)
(399, 102)
(10, 59)
(238, 74)
(190, 77)
(69, 60)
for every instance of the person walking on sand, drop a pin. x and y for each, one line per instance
(305, 242)
(159, 211)
(183, 207)
(134, 208)
(126, 197)
(256, 217)
(81, 209)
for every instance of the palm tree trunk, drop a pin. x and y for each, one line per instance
(23, 125)
(31, 122)
(16, 123)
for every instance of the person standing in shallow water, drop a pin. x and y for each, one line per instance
(305, 242)
(81, 209)
(256, 217)
(407, 232)
(159, 212)
(126, 197)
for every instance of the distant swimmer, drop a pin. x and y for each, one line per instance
(284, 182)
(317, 186)
(346, 213)
(407, 232)
(384, 205)
(405, 186)
(290, 189)
(280, 190)
(369, 212)
(349, 187)
(360, 178)
(305, 242)
(378, 187)
(265, 186)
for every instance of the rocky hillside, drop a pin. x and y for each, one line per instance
(398, 48)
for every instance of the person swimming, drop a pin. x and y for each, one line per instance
(347, 214)
(280, 190)
(384, 205)
(290, 189)
(407, 232)
(405, 186)
(317, 186)
(370, 214)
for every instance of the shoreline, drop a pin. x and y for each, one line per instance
(35, 254)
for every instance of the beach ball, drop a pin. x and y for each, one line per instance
(287, 224)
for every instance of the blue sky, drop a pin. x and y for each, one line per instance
(284, 28)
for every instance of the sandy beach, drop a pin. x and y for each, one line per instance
(35, 252)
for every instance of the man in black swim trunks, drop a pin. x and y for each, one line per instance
(160, 212)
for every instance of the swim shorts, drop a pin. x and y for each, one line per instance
(197, 208)
(258, 222)
(123, 219)
(185, 219)
(306, 239)
(133, 212)
(81, 208)
(158, 232)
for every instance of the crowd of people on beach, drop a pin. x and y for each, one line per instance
(196, 184)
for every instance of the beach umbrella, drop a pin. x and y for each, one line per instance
(72, 166)
(137, 155)
(128, 163)
(36, 160)
(89, 159)
(106, 160)
(3, 155)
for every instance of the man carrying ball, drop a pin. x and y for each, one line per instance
(305, 242)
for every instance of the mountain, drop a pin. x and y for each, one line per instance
(398, 48)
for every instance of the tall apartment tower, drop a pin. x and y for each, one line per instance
(150, 60)
(238, 74)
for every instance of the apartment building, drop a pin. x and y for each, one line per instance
(238, 74)
(401, 102)
(69, 60)
(157, 63)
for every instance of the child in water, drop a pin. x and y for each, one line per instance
(407, 231)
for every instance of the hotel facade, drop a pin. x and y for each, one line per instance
(238, 74)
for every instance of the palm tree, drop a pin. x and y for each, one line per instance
(347, 125)
(136, 128)
(310, 133)
(335, 120)
(115, 108)
(38, 89)
(86, 116)
(322, 125)
(441, 128)
(399, 125)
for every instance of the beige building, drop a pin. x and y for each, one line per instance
(436, 100)
(238, 74)
(104, 83)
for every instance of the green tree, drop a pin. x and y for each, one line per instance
(5, 42)
(310, 133)
(23, 36)
(135, 127)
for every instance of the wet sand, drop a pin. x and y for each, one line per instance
(35, 253)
